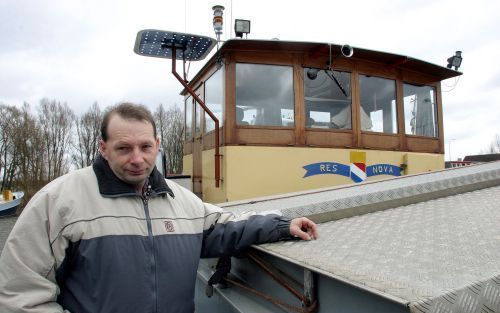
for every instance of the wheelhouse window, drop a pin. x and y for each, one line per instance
(327, 98)
(420, 110)
(213, 99)
(378, 104)
(188, 126)
(197, 119)
(264, 95)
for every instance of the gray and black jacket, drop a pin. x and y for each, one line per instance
(88, 243)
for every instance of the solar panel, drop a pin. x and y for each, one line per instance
(160, 44)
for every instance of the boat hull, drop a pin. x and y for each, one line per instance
(8, 208)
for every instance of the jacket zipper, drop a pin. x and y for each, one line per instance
(146, 193)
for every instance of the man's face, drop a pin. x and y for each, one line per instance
(130, 150)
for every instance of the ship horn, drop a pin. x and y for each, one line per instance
(347, 51)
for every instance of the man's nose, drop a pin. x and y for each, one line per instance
(136, 156)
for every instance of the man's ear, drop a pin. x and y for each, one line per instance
(102, 148)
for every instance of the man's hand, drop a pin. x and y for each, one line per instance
(303, 228)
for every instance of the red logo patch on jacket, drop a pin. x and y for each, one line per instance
(169, 226)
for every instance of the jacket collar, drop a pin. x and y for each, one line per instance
(111, 186)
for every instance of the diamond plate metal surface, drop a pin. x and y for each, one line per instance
(439, 252)
(441, 255)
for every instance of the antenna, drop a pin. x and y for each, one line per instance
(218, 20)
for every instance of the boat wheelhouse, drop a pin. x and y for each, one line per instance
(302, 115)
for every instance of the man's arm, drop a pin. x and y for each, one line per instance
(27, 265)
(227, 234)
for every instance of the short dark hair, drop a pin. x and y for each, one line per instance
(126, 110)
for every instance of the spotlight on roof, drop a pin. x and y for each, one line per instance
(241, 27)
(455, 60)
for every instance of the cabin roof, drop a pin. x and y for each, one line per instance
(391, 60)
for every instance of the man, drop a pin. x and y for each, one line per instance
(115, 237)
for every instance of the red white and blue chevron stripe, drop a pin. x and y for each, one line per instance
(358, 172)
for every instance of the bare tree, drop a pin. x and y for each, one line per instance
(9, 118)
(31, 176)
(56, 122)
(160, 116)
(88, 134)
(495, 145)
(22, 161)
(170, 125)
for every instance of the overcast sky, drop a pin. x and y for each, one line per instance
(81, 51)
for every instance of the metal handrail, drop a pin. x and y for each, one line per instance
(207, 110)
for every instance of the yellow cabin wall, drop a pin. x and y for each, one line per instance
(421, 162)
(187, 165)
(211, 193)
(252, 171)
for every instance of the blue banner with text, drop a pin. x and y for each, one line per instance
(327, 168)
(345, 170)
(383, 169)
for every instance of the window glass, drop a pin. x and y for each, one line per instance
(213, 99)
(197, 118)
(327, 98)
(378, 104)
(188, 109)
(420, 110)
(264, 95)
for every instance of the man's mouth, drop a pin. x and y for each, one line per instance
(136, 173)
